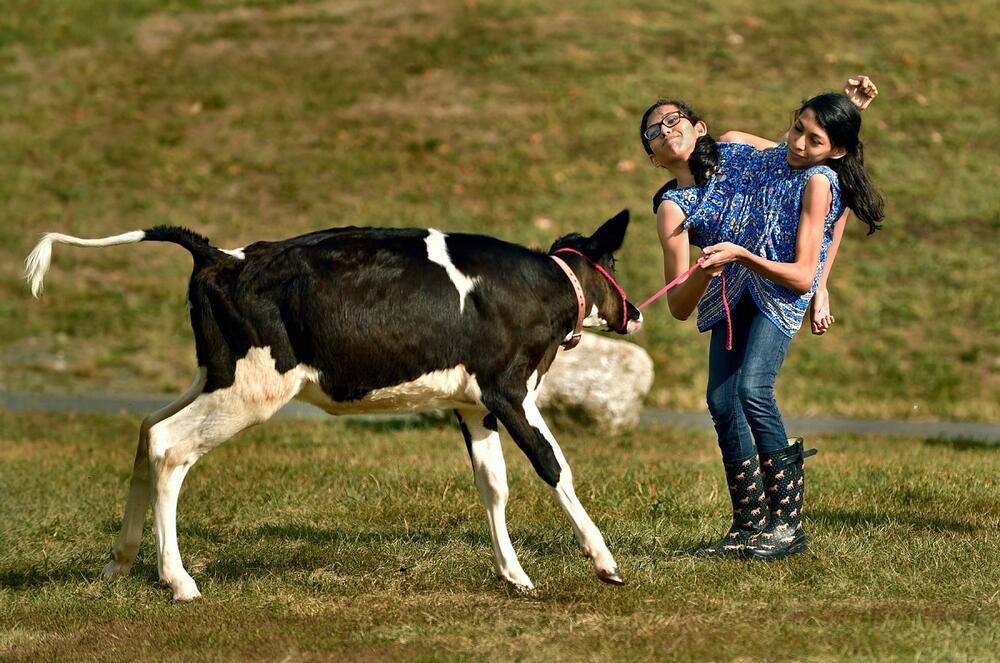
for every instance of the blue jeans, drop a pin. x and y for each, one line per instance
(741, 383)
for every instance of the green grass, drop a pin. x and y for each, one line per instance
(314, 540)
(265, 119)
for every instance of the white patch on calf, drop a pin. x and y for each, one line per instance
(443, 389)
(594, 319)
(257, 392)
(437, 252)
(236, 253)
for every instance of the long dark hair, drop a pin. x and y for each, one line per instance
(705, 156)
(842, 122)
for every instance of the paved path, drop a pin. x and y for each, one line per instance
(988, 433)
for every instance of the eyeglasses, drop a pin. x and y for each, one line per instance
(667, 121)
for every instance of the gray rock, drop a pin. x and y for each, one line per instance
(601, 383)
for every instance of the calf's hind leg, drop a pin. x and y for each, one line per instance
(176, 443)
(490, 472)
(126, 547)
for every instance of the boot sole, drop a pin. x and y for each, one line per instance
(704, 553)
(797, 546)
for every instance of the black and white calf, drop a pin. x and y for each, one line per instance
(363, 320)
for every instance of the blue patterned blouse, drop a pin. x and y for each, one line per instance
(754, 199)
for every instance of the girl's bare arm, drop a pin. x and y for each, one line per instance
(798, 275)
(682, 298)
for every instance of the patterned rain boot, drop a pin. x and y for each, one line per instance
(746, 490)
(784, 485)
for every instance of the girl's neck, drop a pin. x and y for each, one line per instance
(679, 168)
(682, 172)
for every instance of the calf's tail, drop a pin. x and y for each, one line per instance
(38, 261)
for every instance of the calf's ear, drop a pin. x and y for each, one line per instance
(609, 237)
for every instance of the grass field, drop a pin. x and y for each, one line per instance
(261, 119)
(352, 541)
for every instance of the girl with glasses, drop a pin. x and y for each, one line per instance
(768, 218)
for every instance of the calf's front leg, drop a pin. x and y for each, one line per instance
(525, 424)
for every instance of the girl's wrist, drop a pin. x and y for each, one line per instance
(698, 276)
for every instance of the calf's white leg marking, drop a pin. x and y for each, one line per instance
(437, 252)
(587, 534)
(124, 550)
(178, 441)
(490, 472)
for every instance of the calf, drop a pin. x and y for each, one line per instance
(364, 320)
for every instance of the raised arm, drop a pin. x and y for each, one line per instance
(682, 298)
(747, 139)
(859, 89)
(798, 275)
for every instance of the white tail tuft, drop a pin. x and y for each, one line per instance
(38, 261)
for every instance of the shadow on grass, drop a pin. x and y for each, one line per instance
(963, 444)
(391, 424)
(322, 536)
(333, 546)
(84, 572)
(834, 517)
(28, 578)
(328, 546)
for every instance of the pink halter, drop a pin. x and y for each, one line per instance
(611, 280)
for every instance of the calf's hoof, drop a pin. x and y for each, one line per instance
(522, 584)
(523, 589)
(184, 589)
(187, 594)
(611, 577)
(113, 570)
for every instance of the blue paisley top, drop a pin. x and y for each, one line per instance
(754, 199)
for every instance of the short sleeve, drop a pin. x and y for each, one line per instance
(826, 172)
(837, 207)
(658, 196)
(686, 198)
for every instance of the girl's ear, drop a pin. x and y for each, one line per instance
(700, 128)
(838, 153)
(653, 160)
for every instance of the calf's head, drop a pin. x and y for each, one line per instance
(607, 307)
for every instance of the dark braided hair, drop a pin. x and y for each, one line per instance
(842, 122)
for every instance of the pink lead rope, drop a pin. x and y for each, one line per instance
(680, 278)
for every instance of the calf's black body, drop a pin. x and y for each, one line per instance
(372, 320)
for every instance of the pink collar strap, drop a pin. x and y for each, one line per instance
(611, 280)
(578, 329)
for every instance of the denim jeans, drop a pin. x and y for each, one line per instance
(741, 383)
